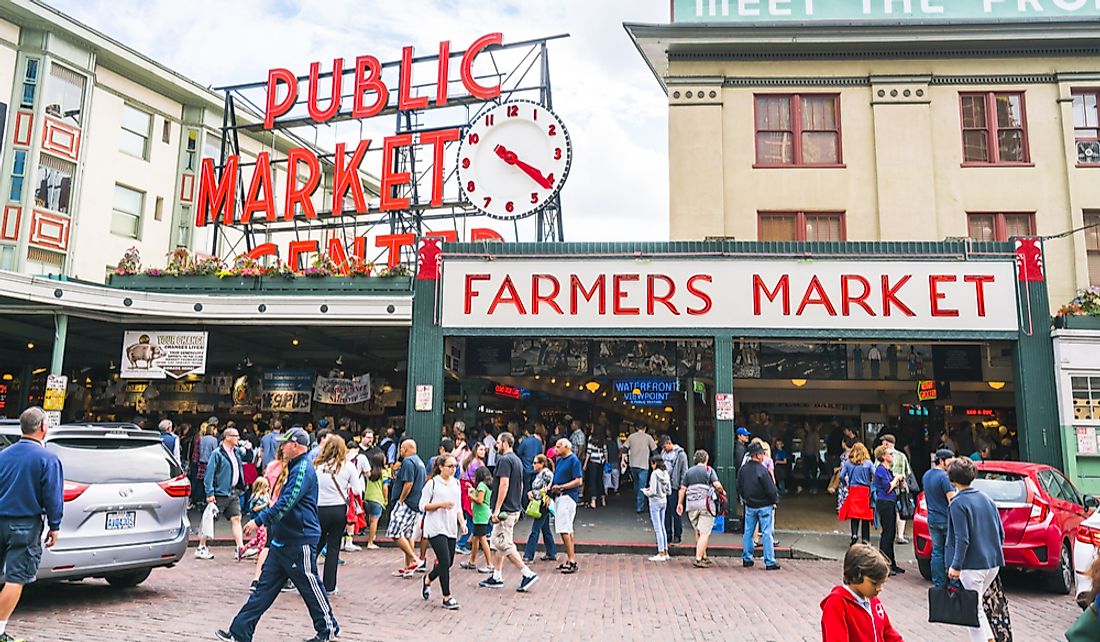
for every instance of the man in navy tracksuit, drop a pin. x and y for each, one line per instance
(31, 485)
(293, 530)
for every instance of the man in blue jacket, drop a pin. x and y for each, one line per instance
(224, 481)
(31, 486)
(293, 532)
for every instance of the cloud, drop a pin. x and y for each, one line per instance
(614, 109)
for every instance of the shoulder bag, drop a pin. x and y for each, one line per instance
(953, 605)
(904, 502)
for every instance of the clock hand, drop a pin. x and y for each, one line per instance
(511, 158)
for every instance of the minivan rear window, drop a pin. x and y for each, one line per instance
(114, 461)
(1002, 487)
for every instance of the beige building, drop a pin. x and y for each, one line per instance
(864, 132)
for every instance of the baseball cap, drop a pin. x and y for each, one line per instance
(943, 454)
(755, 449)
(213, 421)
(297, 434)
(322, 423)
(742, 432)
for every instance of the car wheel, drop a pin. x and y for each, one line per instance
(925, 568)
(129, 578)
(1061, 580)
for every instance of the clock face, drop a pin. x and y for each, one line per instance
(514, 158)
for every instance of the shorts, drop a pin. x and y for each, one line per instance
(228, 506)
(701, 520)
(374, 509)
(565, 511)
(481, 530)
(20, 548)
(503, 539)
(403, 521)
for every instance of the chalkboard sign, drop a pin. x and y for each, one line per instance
(957, 363)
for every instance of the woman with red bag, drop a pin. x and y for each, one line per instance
(857, 474)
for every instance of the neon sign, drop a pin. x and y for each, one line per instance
(510, 392)
(647, 392)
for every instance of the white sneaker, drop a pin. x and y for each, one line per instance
(657, 558)
(204, 553)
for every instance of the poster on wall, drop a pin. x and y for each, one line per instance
(957, 363)
(342, 392)
(694, 357)
(723, 406)
(617, 358)
(154, 354)
(549, 356)
(1086, 440)
(287, 390)
(802, 361)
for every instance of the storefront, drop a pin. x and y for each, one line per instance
(731, 329)
(1077, 372)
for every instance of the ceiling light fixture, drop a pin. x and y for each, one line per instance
(798, 383)
(294, 342)
(30, 345)
(996, 385)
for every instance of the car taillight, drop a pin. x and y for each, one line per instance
(72, 490)
(1039, 511)
(178, 487)
(1088, 535)
(922, 506)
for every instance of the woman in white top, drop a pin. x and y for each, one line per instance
(335, 479)
(441, 503)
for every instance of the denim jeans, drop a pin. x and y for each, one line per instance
(540, 525)
(763, 518)
(938, 533)
(464, 541)
(641, 478)
(674, 523)
(657, 516)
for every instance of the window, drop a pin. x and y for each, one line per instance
(1086, 126)
(1086, 398)
(126, 218)
(30, 82)
(212, 148)
(136, 126)
(1092, 245)
(801, 226)
(65, 95)
(158, 209)
(798, 130)
(998, 226)
(54, 184)
(994, 129)
(18, 172)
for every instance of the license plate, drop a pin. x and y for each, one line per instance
(121, 521)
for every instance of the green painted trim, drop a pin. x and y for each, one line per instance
(722, 461)
(355, 286)
(425, 368)
(1033, 368)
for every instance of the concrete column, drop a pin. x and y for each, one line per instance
(61, 331)
(691, 415)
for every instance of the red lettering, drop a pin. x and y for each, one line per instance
(469, 292)
(512, 297)
(935, 295)
(315, 111)
(652, 298)
(394, 243)
(979, 282)
(359, 248)
(405, 101)
(846, 298)
(372, 81)
(300, 195)
(890, 296)
(338, 254)
(617, 303)
(758, 288)
(262, 250)
(296, 249)
(484, 234)
(261, 179)
(345, 176)
(391, 179)
(819, 297)
(537, 297)
(576, 287)
(444, 71)
(477, 90)
(450, 236)
(275, 107)
(215, 197)
(703, 297)
(437, 140)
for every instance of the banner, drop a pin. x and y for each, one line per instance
(892, 11)
(287, 390)
(155, 354)
(342, 392)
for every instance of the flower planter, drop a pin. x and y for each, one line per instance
(185, 284)
(1077, 322)
(262, 285)
(345, 285)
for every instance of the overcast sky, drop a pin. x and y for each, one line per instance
(613, 107)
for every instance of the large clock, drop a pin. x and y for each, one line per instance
(514, 159)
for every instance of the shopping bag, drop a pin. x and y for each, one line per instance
(834, 482)
(208, 515)
(1086, 628)
(953, 605)
(904, 502)
(534, 509)
(719, 524)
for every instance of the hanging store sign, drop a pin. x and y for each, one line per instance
(54, 398)
(287, 390)
(510, 392)
(926, 391)
(342, 392)
(878, 11)
(154, 354)
(833, 294)
(646, 392)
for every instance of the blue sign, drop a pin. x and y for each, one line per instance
(653, 391)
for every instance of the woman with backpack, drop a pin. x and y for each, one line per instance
(336, 478)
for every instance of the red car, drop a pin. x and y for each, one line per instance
(1040, 510)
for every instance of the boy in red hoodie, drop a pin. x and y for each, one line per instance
(853, 612)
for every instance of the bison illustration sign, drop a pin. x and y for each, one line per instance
(159, 355)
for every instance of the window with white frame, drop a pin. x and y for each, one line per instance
(136, 128)
(126, 216)
(54, 187)
(65, 95)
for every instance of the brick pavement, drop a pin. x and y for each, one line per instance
(613, 598)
